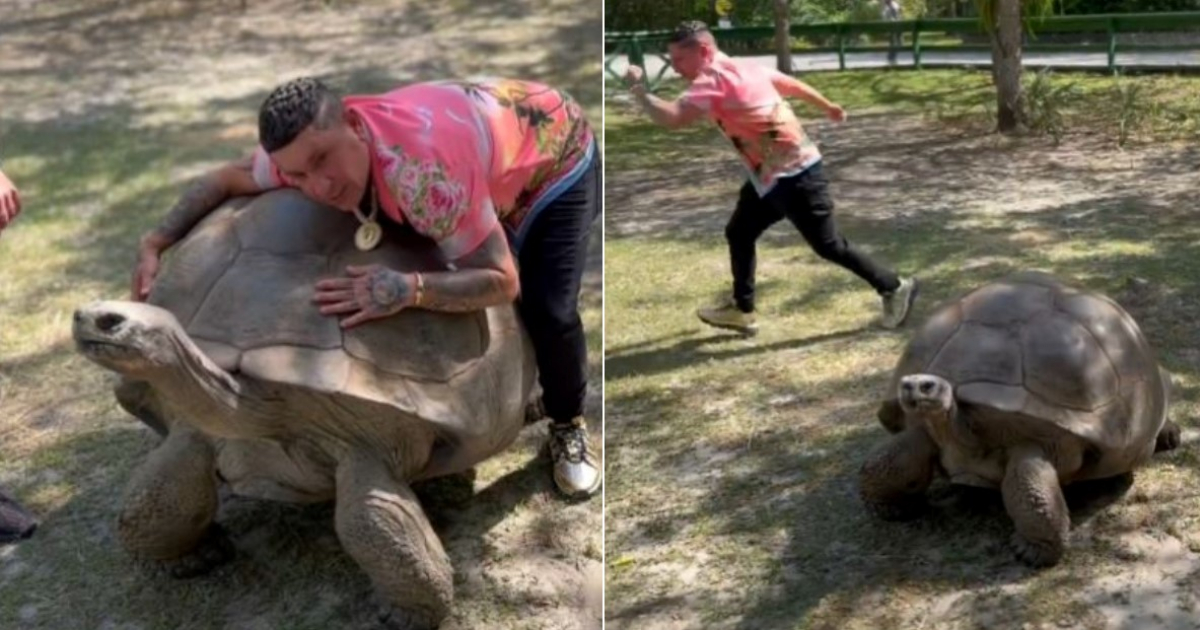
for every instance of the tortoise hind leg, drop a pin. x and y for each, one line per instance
(1168, 437)
(535, 409)
(169, 507)
(1034, 500)
(382, 526)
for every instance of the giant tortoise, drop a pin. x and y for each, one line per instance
(254, 388)
(1026, 385)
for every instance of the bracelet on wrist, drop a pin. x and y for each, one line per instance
(420, 293)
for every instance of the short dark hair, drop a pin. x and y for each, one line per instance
(688, 32)
(291, 107)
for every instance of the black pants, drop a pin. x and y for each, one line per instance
(894, 43)
(804, 200)
(552, 260)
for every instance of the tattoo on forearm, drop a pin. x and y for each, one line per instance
(657, 109)
(645, 99)
(387, 289)
(462, 290)
(475, 286)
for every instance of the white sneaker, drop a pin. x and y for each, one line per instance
(576, 471)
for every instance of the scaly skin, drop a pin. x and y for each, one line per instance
(1034, 500)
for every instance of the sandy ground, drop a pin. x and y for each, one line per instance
(888, 173)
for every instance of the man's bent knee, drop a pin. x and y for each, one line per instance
(834, 249)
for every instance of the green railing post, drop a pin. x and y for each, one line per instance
(636, 45)
(621, 48)
(608, 60)
(916, 46)
(1112, 45)
(635, 54)
(841, 44)
(662, 70)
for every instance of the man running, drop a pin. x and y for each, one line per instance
(746, 101)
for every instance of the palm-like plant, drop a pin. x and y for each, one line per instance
(1003, 20)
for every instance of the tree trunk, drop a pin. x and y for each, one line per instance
(783, 41)
(1006, 66)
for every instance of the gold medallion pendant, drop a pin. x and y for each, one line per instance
(370, 232)
(368, 236)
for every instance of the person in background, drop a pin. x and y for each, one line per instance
(10, 201)
(891, 13)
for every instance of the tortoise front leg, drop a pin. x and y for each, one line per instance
(382, 526)
(894, 478)
(1168, 437)
(169, 506)
(1034, 500)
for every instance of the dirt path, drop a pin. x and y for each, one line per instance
(886, 167)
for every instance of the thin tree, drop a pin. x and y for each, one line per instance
(783, 38)
(1005, 21)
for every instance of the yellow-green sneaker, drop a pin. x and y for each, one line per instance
(897, 303)
(728, 316)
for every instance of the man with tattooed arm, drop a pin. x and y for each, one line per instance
(491, 171)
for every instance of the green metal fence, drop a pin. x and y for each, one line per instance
(922, 36)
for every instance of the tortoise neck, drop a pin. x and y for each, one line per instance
(951, 425)
(203, 395)
(938, 422)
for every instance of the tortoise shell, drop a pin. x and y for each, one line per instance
(242, 286)
(1037, 350)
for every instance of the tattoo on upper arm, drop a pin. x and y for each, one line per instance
(201, 198)
(490, 253)
(244, 164)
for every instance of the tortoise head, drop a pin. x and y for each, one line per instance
(128, 337)
(925, 394)
(15, 523)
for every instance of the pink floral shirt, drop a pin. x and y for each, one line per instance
(459, 156)
(741, 98)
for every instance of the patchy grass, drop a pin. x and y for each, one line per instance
(109, 108)
(732, 463)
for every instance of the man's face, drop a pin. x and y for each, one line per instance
(689, 59)
(329, 165)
